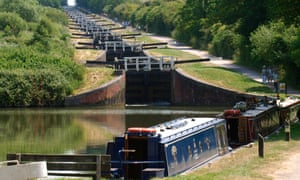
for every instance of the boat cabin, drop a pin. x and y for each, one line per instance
(169, 148)
(244, 125)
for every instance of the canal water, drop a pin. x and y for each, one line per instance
(80, 130)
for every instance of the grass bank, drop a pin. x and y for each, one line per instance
(213, 74)
(225, 78)
(94, 77)
(177, 54)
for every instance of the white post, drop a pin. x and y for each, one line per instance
(86, 26)
(106, 37)
(172, 62)
(161, 63)
(137, 64)
(149, 63)
(125, 63)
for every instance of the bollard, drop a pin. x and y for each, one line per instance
(260, 146)
(287, 129)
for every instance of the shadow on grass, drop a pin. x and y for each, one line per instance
(295, 133)
(262, 89)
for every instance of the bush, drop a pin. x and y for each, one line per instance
(35, 55)
(225, 41)
(56, 16)
(41, 87)
(275, 45)
(28, 58)
(11, 23)
(271, 44)
(28, 10)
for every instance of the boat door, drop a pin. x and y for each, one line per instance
(138, 147)
(222, 139)
(232, 130)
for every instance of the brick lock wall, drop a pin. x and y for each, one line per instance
(112, 93)
(187, 90)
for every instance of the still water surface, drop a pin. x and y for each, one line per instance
(80, 130)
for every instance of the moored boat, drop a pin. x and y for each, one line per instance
(167, 149)
(245, 122)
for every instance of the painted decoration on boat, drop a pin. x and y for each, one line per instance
(189, 151)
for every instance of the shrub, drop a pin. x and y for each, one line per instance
(28, 58)
(225, 41)
(41, 87)
(271, 44)
(11, 23)
(28, 10)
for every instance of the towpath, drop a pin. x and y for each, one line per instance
(229, 64)
(288, 169)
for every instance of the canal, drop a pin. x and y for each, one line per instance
(80, 130)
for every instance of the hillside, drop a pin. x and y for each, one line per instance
(35, 55)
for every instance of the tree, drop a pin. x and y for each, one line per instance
(225, 41)
(285, 10)
(51, 3)
(56, 16)
(44, 31)
(296, 49)
(28, 10)
(192, 24)
(271, 43)
(248, 13)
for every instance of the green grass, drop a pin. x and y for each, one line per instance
(177, 54)
(225, 78)
(146, 39)
(95, 77)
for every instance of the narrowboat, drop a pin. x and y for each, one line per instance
(289, 110)
(244, 122)
(167, 149)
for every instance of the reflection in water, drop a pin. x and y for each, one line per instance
(78, 130)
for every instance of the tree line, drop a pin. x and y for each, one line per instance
(36, 67)
(252, 32)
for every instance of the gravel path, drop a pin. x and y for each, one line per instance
(289, 169)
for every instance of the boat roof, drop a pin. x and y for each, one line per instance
(290, 101)
(178, 128)
(257, 111)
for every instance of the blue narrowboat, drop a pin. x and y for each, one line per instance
(167, 149)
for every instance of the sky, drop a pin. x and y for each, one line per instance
(71, 2)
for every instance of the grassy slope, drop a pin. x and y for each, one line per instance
(94, 76)
(222, 77)
(213, 74)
